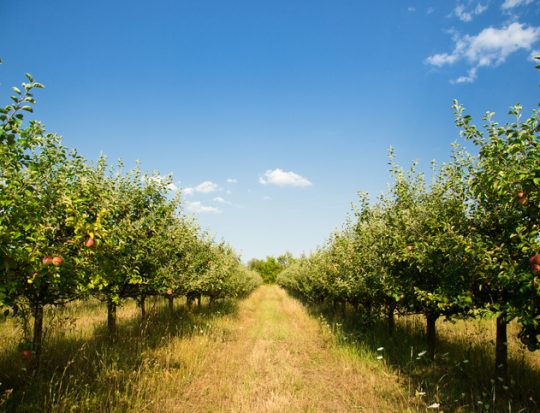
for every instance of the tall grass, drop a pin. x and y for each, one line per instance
(461, 379)
(82, 372)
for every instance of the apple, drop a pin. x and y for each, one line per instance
(26, 354)
(535, 268)
(523, 200)
(57, 261)
(409, 248)
(521, 194)
(535, 259)
(90, 242)
(47, 260)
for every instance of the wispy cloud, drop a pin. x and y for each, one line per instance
(510, 4)
(199, 208)
(221, 200)
(232, 180)
(205, 187)
(281, 178)
(491, 47)
(466, 13)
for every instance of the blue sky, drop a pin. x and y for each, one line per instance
(270, 114)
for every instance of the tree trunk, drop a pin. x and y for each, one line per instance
(431, 333)
(501, 349)
(142, 306)
(38, 333)
(111, 320)
(390, 321)
(170, 298)
(199, 300)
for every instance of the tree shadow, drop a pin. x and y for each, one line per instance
(92, 363)
(462, 376)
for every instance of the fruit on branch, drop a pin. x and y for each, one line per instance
(47, 260)
(57, 261)
(89, 243)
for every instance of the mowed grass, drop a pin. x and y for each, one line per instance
(266, 353)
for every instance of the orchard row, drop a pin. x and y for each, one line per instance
(463, 245)
(70, 230)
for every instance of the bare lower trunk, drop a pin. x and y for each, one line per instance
(170, 299)
(431, 334)
(37, 340)
(142, 306)
(111, 320)
(501, 349)
(390, 320)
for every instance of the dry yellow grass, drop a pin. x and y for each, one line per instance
(265, 354)
(272, 357)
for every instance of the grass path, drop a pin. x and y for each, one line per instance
(273, 357)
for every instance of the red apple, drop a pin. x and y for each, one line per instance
(26, 354)
(90, 242)
(57, 260)
(535, 259)
(535, 268)
(47, 260)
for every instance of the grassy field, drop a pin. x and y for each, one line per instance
(267, 353)
(462, 377)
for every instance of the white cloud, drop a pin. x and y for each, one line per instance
(468, 78)
(188, 191)
(466, 15)
(510, 4)
(281, 178)
(535, 53)
(232, 180)
(441, 59)
(491, 47)
(172, 187)
(199, 208)
(205, 187)
(220, 200)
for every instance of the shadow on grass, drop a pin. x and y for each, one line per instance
(460, 379)
(98, 370)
